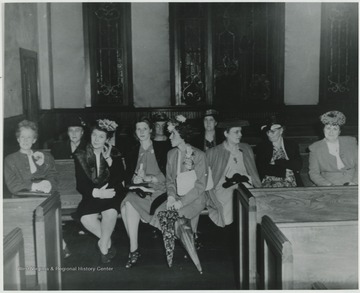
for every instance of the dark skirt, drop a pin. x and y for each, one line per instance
(97, 205)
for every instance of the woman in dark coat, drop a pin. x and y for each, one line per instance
(99, 179)
(146, 164)
(65, 149)
(278, 159)
(210, 136)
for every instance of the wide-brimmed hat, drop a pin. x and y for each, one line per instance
(333, 118)
(211, 112)
(235, 122)
(272, 123)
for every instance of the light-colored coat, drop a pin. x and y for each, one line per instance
(194, 201)
(217, 158)
(323, 169)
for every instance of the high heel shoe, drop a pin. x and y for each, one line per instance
(105, 258)
(133, 258)
(111, 252)
(66, 252)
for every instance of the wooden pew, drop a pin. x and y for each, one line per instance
(14, 261)
(320, 209)
(325, 251)
(48, 235)
(276, 258)
(39, 219)
(70, 197)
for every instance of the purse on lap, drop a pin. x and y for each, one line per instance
(185, 181)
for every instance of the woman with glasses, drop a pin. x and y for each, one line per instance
(278, 160)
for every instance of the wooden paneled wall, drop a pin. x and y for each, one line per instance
(300, 120)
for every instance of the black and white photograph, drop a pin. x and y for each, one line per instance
(180, 145)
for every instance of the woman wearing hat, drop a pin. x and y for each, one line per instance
(186, 196)
(209, 137)
(231, 162)
(278, 160)
(66, 149)
(333, 160)
(146, 164)
(99, 175)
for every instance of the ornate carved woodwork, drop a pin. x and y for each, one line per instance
(106, 30)
(228, 53)
(339, 55)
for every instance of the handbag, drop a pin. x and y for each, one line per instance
(185, 181)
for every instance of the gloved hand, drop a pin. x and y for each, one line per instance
(177, 205)
(235, 179)
(42, 186)
(39, 158)
(170, 202)
(103, 192)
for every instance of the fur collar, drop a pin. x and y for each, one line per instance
(87, 161)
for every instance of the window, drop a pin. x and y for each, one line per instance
(339, 51)
(227, 53)
(107, 31)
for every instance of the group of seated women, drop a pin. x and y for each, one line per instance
(168, 170)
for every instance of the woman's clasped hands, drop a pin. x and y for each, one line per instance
(103, 192)
(172, 203)
(42, 186)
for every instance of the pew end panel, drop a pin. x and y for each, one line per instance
(276, 258)
(306, 206)
(19, 212)
(246, 216)
(325, 252)
(14, 261)
(48, 231)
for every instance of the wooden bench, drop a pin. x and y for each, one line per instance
(39, 218)
(307, 211)
(14, 261)
(276, 258)
(70, 197)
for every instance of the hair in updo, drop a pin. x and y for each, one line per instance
(29, 125)
(182, 126)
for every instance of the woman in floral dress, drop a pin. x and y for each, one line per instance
(278, 160)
